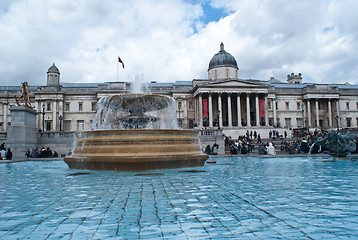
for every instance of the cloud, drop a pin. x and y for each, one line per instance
(175, 40)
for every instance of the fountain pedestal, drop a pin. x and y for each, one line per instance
(140, 133)
(137, 150)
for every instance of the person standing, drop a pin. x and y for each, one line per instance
(3, 154)
(9, 154)
(27, 154)
(271, 149)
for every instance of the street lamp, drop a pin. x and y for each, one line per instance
(43, 117)
(337, 118)
(219, 119)
(303, 115)
(60, 118)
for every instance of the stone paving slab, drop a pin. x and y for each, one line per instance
(236, 198)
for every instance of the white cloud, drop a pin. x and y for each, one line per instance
(165, 40)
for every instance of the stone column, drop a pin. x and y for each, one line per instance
(337, 110)
(54, 116)
(5, 117)
(330, 123)
(210, 110)
(229, 114)
(317, 113)
(266, 112)
(220, 111)
(38, 116)
(257, 110)
(238, 110)
(248, 110)
(308, 113)
(200, 115)
(274, 111)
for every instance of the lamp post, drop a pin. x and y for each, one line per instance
(303, 115)
(43, 117)
(60, 118)
(337, 118)
(219, 119)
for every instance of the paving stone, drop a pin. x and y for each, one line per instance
(253, 198)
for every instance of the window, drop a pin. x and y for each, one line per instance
(94, 106)
(48, 108)
(48, 125)
(270, 121)
(191, 123)
(67, 125)
(191, 105)
(179, 105)
(269, 105)
(287, 105)
(276, 105)
(347, 105)
(80, 125)
(298, 105)
(357, 105)
(278, 122)
(299, 122)
(67, 107)
(349, 122)
(80, 106)
(288, 122)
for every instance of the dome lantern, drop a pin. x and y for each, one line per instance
(53, 76)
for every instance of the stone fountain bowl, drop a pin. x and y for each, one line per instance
(138, 104)
(136, 150)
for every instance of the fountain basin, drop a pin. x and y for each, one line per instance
(136, 150)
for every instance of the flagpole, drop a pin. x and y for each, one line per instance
(117, 70)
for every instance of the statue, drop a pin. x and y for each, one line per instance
(25, 97)
(337, 144)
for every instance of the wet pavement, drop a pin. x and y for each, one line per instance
(236, 198)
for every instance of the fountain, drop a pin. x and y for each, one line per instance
(337, 144)
(135, 132)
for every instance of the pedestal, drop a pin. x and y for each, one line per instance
(22, 134)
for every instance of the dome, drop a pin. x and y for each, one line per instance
(53, 69)
(222, 59)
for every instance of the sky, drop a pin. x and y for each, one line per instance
(174, 40)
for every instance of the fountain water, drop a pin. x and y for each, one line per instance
(134, 132)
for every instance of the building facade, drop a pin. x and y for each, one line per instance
(222, 101)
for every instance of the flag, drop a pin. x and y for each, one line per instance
(262, 108)
(120, 60)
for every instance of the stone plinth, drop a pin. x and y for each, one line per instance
(22, 133)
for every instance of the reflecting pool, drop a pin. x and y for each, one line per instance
(236, 198)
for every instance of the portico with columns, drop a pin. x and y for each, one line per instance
(231, 104)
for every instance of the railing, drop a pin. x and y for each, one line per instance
(57, 134)
(209, 132)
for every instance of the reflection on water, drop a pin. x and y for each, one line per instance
(293, 198)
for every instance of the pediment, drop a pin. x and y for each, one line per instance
(235, 83)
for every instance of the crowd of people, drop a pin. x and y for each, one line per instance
(43, 153)
(5, 154)
(302, 142)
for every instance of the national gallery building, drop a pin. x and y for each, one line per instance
(222, 101)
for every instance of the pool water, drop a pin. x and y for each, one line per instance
(236, 198)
